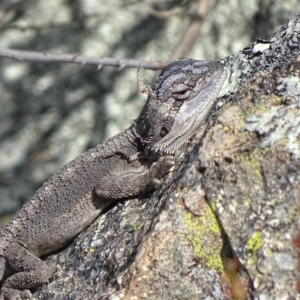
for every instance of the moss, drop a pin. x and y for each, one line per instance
(204, 234)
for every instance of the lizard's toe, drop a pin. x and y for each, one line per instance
(162, 167)
(166, 163)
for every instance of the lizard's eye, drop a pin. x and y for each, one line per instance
(181, 92)
(181, 95)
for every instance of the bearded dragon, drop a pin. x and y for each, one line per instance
(131, 163)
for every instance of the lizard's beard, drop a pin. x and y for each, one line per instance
(191, 115)
(182, 130)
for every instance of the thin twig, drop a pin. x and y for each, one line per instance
(190, 35)
(80, 59)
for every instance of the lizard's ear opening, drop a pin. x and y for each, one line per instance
(163, 132)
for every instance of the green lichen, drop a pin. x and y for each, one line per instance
(254, 158)
(248, 201)
(213, 204)
(184, 189)
(257, 110)
(254, 165)
(226, 128)
(137, 226)
(254, 243)
(259, 151)
(204, 234)
(257, 171)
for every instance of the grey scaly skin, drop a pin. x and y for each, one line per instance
(131, 163)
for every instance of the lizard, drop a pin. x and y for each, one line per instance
(131, 163)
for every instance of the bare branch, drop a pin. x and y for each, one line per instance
(80, 59)
(36, 27)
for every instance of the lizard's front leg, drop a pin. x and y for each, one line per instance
(129, 179)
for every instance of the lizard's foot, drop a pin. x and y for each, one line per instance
(13, 294)
(161, 168)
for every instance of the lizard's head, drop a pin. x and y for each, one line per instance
(185, 91)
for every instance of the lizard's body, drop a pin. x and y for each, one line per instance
(131, 163)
